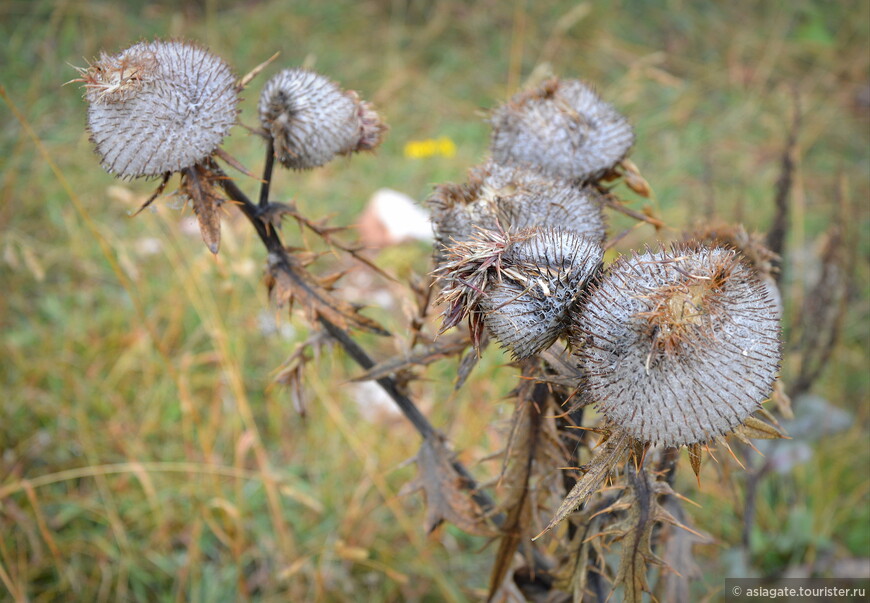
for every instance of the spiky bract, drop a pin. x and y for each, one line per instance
(520, 285)
(679, 346)
(158, 107)
(311, 119)
(563, 129)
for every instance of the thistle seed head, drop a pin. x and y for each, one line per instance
(513, 199)
(519, 285)
(679, 347)
(158, 107)
(312, 120)
(562, 129)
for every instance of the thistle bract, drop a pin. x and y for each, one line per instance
(562, 129)
(158, 107)
(679, 347)
(311, 119)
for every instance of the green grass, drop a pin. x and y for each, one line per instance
(143, 454)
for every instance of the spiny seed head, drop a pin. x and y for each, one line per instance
(563, 129)
(158, 107)
(512, 198)
(311, 119)
(520, 285)
(679, 347)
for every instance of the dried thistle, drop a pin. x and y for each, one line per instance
(496, 197)
(563, 129)
(520, 285)
(679, 347)
(158, 107)
(311, 119)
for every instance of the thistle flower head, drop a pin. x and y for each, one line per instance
(562, 129)
(158, 107)
(520, 285)
(311, 119)
(513, 199)
(679, 347)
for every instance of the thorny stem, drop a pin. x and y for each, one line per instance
(273, 244)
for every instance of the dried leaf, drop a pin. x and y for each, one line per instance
(447, 495)
(517, 472)
(596, 472)
(469, 361)
(197, 182)
(421, 356)
(636, 551)
(288, 281)
(677, 556)
(633, 179)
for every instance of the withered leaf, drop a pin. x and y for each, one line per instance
(469, 361)
(516, 474)
(205, 206)
(420, 356)
(447, 495)
(679, 561)
(634, 180)
(597, 470)
(288, 281)
(637, 534)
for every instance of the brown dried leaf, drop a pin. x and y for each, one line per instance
(638, 524)
(633, 179)
(209, 221)
(597, 470)
(677, 556)
(447, 495)
(288, 282)
(198, 183)
(516, 473)
(469, 361)
(420, 356)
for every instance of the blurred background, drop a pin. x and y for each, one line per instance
(146, 452)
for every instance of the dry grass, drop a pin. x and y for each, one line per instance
(144, 455)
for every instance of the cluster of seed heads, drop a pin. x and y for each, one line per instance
(676, 347)
(311, 119)
(158, 107)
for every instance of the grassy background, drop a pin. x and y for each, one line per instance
(143, 454)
